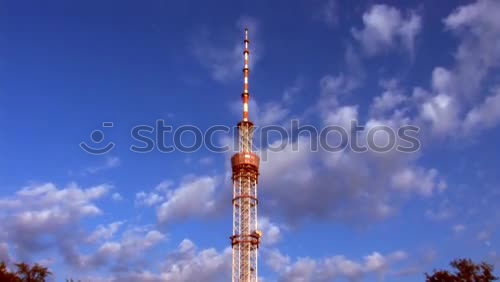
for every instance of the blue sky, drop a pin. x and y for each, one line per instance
(68, 66)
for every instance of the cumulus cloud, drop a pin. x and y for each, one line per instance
(352, 186)
(342, 116)
(116, 196)
(391, 98)
(484, 115)
(478, 28)
(330, 268)
(441, 111)
(122, 254)
(43, 216)
(108, 163)
(423, 181)
(271, 113)
(271, 232)
(343, 83)
(105, 232)
(154, 197)
(386, 27)
(148, 199)
(44, 209)
(186, 263)
(451, 107)
(277, 261)
(193, 197)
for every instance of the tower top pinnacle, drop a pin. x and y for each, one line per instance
(245, 95)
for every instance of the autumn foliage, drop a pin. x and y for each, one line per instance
(466, 271)
(24, 273)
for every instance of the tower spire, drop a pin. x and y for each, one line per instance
(245, 95)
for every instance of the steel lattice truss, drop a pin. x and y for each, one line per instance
(245, 167)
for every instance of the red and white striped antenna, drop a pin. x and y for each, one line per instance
(245, 96)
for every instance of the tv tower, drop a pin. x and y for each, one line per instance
(245, 166)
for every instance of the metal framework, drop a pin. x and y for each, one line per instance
(246, 236)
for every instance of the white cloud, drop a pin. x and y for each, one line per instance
(193, 197)
(478, 26)
(333, 86)
(330, 268)
(148, 199)
(336, 85)
(42, 207)
(271, 113)
(109, 162)
(391, 98)
(388, 101)
(38, 217)
(417, 179)
(342, 116)
(271, 233)
(116, 196)
(478, 29)
(276, 168)
(131, 247)
(185, 263)
(158, 195)
(276, 260)
(105, 232)
(442, 112)
(188, 263)
(451, 108)
(485, 115)
(385, 27)
(164, 185)
(344, 179)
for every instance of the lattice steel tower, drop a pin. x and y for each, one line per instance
(245, 166)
